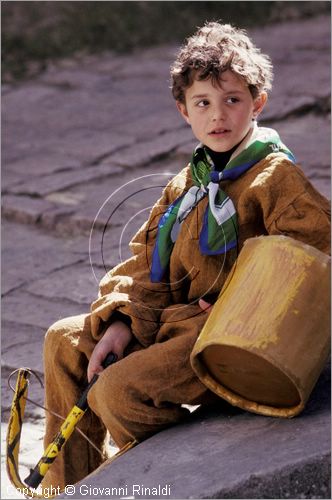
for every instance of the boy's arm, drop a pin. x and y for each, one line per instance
(298, 210)
(127, 288)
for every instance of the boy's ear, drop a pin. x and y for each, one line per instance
(183, 110)
(259, 103)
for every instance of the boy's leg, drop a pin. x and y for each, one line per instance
(68, 345)
(142, 393)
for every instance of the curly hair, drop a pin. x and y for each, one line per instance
(216, 48)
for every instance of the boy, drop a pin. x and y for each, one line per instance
(242, 182)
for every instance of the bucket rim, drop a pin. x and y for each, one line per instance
(240, 401)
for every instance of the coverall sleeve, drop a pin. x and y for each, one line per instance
(299, 211)
(127, 288)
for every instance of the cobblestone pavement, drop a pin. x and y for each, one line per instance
(79, 144)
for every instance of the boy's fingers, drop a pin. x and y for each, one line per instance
(94, 366)
(205, 306)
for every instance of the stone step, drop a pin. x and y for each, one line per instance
(225, 452)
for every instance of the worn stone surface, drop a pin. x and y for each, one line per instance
(62, 180)
(27, 255)
(145, 152)
(75, 283)
(24, 209)
(228, 453)
(38, 311)
(119, 202)
(316, 130)
(23, 343)
(45, 162)
(87, 148)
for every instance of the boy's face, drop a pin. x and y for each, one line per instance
(220, 115)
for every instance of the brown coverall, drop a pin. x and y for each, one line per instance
(142, 393)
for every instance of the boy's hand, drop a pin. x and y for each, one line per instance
(115, 339)
(205, 306)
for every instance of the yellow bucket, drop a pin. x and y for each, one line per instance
(267, 337)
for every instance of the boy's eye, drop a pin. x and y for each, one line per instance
(203, 103)
(232, 100)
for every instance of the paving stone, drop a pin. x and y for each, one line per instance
(111, 103)
(185, 150)
(5, 88)
(69, 80)
(149, 126)
(76, 283)
(29, 93)
(287, 37)
(42, 163)
(38, 311)
(147, 63)
(65, 198)
(107, 67)
(88, 146)
(133, 110)
(145, 152)
(321, 182)
(27, 254)
(57, 220)
(22, 265)
(29, 238)
(30, 96)
(22, 345)
(62, 144)
(108, 62)
(291, 53)
(58, 127)
(9, 178)
(289, 79)
(20, 142)
(90, 205)
(75, 224)
(62, 180)
(302, 135)
(280, 107)
(24, 209)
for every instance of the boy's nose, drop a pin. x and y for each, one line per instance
(218, 114)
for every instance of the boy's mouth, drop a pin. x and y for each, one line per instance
(219, 131)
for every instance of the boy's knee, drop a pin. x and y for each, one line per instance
(66, 328)
(52, 335)
(111, 393)
(53, 339)
(59, 333)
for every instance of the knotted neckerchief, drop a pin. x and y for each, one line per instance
(220, 228)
